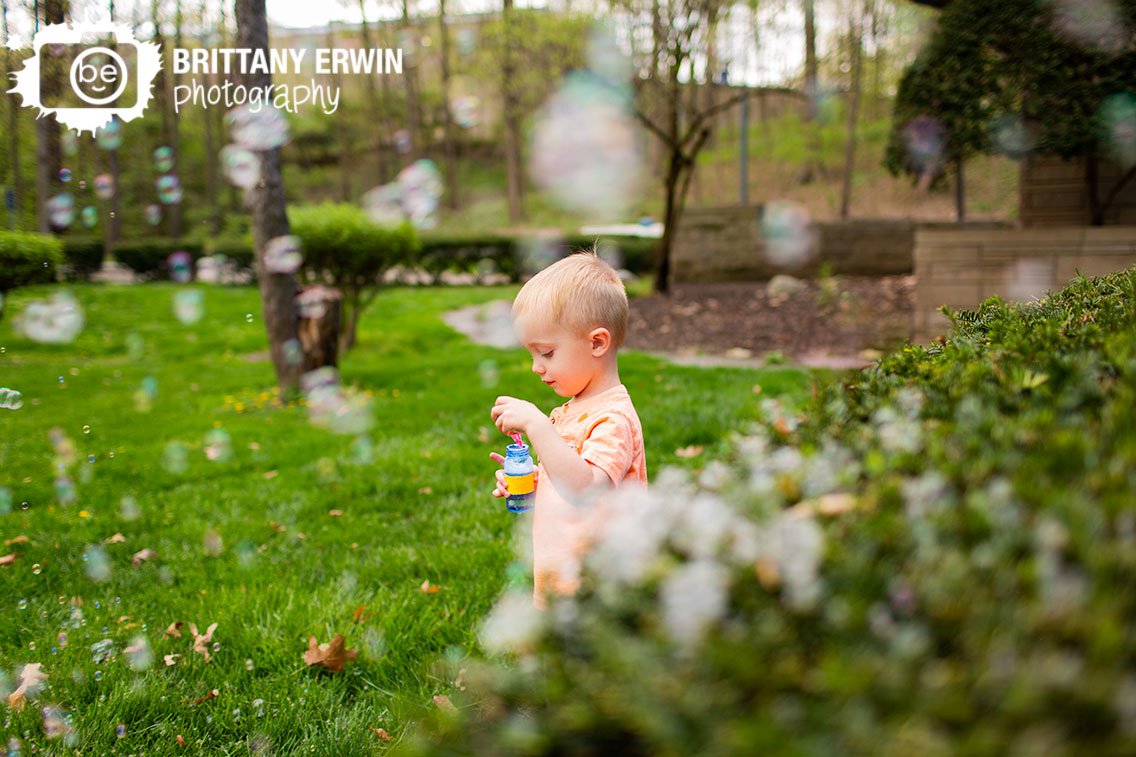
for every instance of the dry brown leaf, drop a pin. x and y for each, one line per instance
(180, 740)
(427, 588)
(144, 554)
(767, 572)
(31, 677)
(277, 527)
(335, 513)
(174, 629)
(383, 735)
(271, 474)
(332, 655)
(360, 614)
(115, 539)
(443, 703)
(835, 503)
(425, 490)
(207, 697)
(21, 539)
(201, 641)
(8, 559)
(171, 660)
(693, 450)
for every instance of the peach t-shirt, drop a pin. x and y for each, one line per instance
(605, 431)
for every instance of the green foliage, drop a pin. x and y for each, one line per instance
(149, 257)
(469, 252)
(237, 249)
(27, 258)
(83, 256)
(1010, 59)
(952, 576)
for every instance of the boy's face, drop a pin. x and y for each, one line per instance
(564, 360)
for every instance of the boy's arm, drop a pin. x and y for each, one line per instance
(568, 471)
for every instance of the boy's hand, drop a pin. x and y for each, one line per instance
(502, 489)
(511, 414)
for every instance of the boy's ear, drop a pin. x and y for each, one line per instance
(601, 341)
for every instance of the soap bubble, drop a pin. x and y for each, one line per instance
(57, 725)
(263, 129)
(109, 135)
(153, 214)
(1028, 278)
(120, 730)
(1012, 136)
(924, 138)
(466, 40)
(97, 563)
(332, 407)
(1118, 121)
(384, 204)
(585, 148)
(293, 351)
(10, 399)
(1095, 24)
(163, 158)
(212, 542)
(181, 266)
(169, 189)
(421, 184)
(175, 459)
(5, 500)
(89, 216)
(61, 210)
(128, 508)
(104, 186)
(282, 254)
(790, 240)
(538, 252)
(69, 143)
(188, 306)
(466, 111)
(57, 320)
(65, 174)
(402, 141)
(241, 166)
(489, 373)
(139, 655)
(102, 650)
(218, 445)
(65, 490)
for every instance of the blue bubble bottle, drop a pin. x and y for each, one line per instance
(520, 477)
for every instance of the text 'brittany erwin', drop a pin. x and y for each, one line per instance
(286, 60)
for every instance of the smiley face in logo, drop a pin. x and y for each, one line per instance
(99, 75)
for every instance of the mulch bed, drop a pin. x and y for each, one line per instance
(840, 319)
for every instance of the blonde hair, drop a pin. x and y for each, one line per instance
(580, 292)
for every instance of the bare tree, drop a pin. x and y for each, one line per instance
(269, 219)
(814, 162)
(410, 81)
(856, 50)
(450, 142)
(514, 187)
(379, 115)
(13, 123)
(48, 157)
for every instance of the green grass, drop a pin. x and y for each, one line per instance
(284, 567)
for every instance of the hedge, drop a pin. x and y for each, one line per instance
(148, 257)
(935, 557)
(28, 258)
(83, 256)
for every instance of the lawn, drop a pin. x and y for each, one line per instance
(296, 532)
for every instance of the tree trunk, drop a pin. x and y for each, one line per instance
(13, 127)
(814, 164)
(320, 310)
(451, 155)
(277, 290)
(853, 116)
(175, 139)
(960, 190)
(410, 80)
(48, 159)
(378, 114)
(343, 133)
(513, 187)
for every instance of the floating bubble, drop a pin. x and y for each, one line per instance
(69, 143)
(605, 59)
(57, 725)
(790, 240)
(466, 111)
(65, 490)
(150, 386)
(22, 604)
(218, 445)
(65, 174)
(924, 138)
(212, 543)
(120, 731)
(246, 553)
(175, 458)
(402, 141)
(332, 407)
(104, 186)
(1118, 122)
(169, 189)
(282, 254)
(1095, 24)
(421, 184)
(585, 148)
(466, 40)
(248, 318)
(153, 214)
(1028, 279)
(189, 306)
(5, 500)
(164, 158)
(489, 373)
(139, 655)
(10, 399)
(241, 166)
(97, 563)
(181, 267)
(128, 508)
(293, 352)
(109, 136)
(57, 320)
(537, 253)
(363, 450)
(89, 216)
(262, 129)
(1012, 136)
(61, 210)
(384, 205)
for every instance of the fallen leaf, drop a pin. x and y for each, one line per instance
(271, 474)
(116, 539)
(335, 513)
(360, 614)
(835, 503)
(207, 697)
(443, 703)
(425, 490)
(426, 588)
(31, 679)
(201, 640)
(171, 659)
(693, 450)
(174, 629)
(277, 527)
(8, 559)
(383, 735)
(332, 655)
(144, 554)
(180, 740)
(21, 539)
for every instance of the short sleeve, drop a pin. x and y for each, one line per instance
(610, 446)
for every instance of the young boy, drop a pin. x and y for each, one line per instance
(572, 317)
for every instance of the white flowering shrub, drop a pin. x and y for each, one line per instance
(937, 558)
